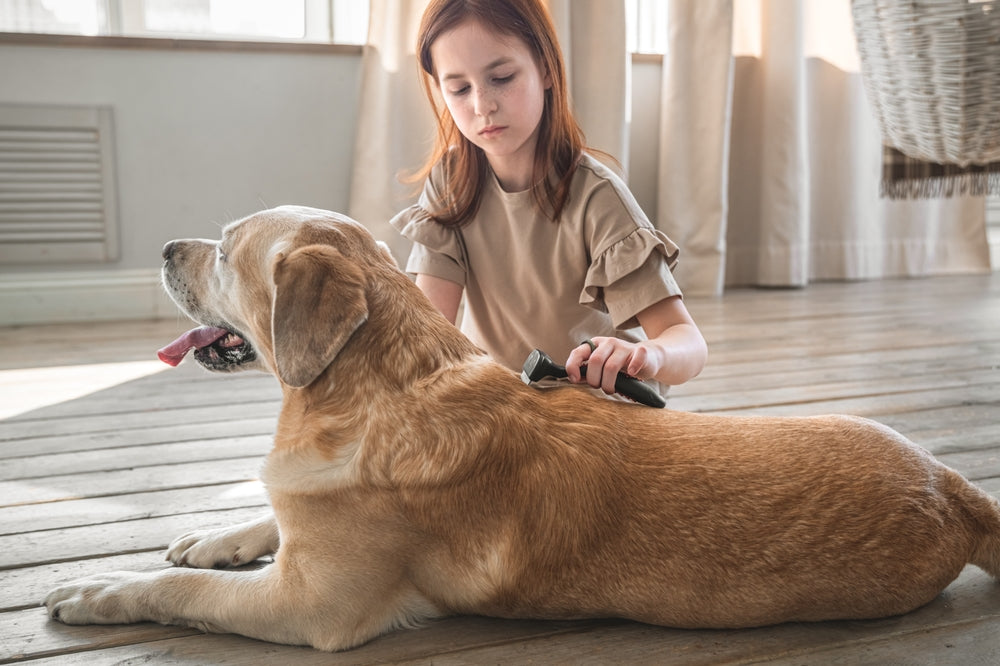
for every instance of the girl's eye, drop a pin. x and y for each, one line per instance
(500, 80)
(461, 91)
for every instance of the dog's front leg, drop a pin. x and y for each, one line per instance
(250, 603)
(322, 608)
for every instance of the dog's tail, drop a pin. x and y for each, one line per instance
(985, 512)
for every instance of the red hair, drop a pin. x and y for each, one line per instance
(560, 140)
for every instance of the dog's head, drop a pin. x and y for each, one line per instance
(282, 291)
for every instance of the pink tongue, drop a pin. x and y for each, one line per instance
(196, 338)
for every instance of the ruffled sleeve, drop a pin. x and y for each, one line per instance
(437, 250)
(631, 274)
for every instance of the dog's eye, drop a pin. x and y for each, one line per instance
(220, 255)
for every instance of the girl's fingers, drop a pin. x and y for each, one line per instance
(605, 358)
(577, 357)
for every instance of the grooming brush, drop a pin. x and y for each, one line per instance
(540, 365)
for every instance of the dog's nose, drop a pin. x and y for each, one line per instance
(168, 250)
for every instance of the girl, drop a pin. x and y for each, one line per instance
(547, 244)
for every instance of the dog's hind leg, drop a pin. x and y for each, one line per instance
(227, 546)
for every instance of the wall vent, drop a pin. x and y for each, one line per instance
(57, 185)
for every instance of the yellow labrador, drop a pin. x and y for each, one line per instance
(413, 478)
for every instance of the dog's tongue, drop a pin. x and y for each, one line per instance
(196, 338)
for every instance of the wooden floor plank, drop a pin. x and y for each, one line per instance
(884, 405)
(25, 430)
(128, 536)
(85, 343)
(445, 636)
(28, 634)
(123, 481)
(972, 643)
(823, 391)
(81, 442)
(140, 394)
(117, 508)
(900, 361)
(105, 459)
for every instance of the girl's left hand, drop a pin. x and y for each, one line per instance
(607, 358)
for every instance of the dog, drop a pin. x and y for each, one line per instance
(412, 478)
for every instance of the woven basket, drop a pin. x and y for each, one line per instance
(931, 70)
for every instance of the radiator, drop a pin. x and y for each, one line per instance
(58, 202)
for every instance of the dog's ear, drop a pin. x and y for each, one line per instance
(319, 301)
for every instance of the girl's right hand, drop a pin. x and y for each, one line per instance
(605, 358)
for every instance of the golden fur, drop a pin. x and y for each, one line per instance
(413, 478)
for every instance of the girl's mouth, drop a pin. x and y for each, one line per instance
(491, 131)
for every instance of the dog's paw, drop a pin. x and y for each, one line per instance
(108, 598)
(224, 547)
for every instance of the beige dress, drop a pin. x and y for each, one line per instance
(533, 283)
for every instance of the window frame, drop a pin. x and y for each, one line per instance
(646, 22)
(123, 27)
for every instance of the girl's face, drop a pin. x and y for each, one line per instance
(495, 92)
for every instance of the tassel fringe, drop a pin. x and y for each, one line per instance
(936, 187)
(905, 177)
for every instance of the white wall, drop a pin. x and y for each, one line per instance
(644, 133)
(204, 137)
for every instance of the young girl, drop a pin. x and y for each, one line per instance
(548, 245)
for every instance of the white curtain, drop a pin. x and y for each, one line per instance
(768, 155)
(770, 158)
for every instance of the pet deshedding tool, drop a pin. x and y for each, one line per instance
(540, 365)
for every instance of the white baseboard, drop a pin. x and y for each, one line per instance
(51, 298)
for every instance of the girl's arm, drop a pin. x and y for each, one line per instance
(674, 353)
(445, 295)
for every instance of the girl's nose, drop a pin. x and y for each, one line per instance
(485, 102)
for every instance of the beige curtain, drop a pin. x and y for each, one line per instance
(395, 128)
(770, 158)
(768, 155)
(395, 125)
(592, 36)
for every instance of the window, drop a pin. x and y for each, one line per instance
(338, 21)
(646, 23)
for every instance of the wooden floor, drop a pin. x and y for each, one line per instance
(105, 455)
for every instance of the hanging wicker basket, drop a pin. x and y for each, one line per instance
(931, 70)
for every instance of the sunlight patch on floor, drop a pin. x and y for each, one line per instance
(26, 389)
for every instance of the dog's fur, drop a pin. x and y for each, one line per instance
(413, 478)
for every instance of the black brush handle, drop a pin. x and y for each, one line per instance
(634, 389)
(540, 365)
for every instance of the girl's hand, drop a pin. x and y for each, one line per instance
(609, 356)
(674, 353)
